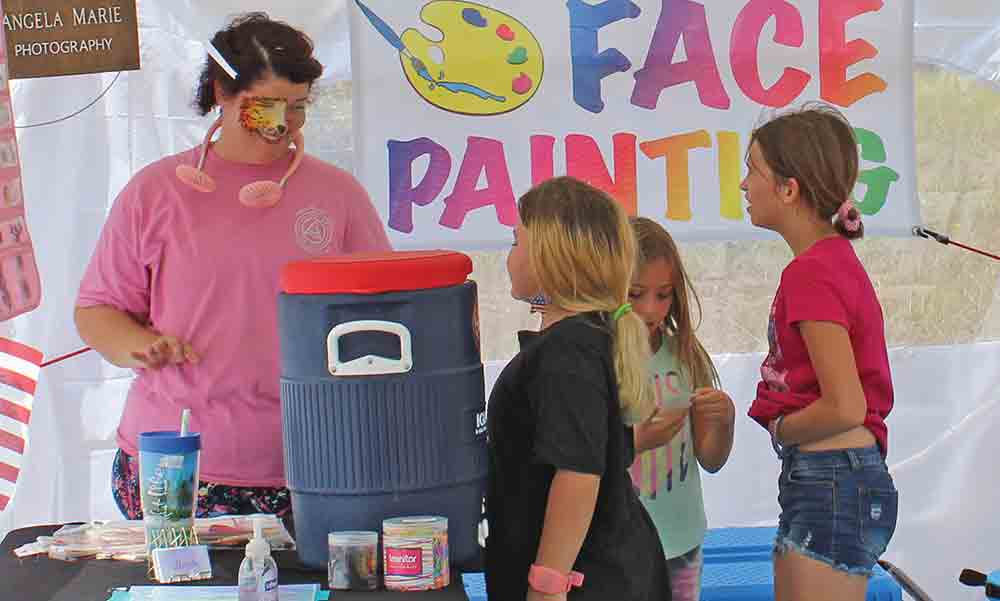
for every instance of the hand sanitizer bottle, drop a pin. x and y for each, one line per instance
(258, 578)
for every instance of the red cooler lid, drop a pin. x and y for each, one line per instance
(376, 273)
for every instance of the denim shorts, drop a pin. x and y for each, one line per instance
(838, 507)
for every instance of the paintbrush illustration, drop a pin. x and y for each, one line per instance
(390, 36)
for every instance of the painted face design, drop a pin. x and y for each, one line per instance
(265, 116)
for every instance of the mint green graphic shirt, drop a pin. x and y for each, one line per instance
(668, 478)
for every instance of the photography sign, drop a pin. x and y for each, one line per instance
(70, 37)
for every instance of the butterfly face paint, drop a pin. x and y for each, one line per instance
(265, 116)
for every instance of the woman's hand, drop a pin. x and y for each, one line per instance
(165, 350)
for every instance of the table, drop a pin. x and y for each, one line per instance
(43, 579)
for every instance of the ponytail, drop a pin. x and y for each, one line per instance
(631, 358)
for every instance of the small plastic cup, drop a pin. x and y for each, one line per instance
(353, 560)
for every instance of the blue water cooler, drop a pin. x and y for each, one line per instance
(382, 398)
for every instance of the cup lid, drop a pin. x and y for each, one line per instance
(348, 537)
(169, 442)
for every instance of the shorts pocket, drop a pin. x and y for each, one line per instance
(807, 499)
(878, 509)
(812, 476)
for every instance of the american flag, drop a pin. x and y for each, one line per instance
(538, 303)
(19, 367)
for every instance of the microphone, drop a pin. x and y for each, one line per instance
(922, 232)
(972, 578)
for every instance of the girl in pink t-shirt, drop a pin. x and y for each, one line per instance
(184, 281)
(826, 388)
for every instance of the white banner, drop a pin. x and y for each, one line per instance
(461, 107)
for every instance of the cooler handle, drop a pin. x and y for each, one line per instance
(369, 365)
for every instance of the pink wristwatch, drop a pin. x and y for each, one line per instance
(549, 581)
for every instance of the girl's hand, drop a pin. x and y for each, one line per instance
(714, 420)
(659, 429)
(534, 595)
(713, 407)
(165, 350)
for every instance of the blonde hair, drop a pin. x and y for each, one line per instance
(656, 243)
(582, 251)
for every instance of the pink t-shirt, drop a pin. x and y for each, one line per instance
(825, 283)
(205, 268)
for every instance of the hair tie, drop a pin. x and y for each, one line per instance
(622, 311)
(851, 224)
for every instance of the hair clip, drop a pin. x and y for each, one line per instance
(221, 60)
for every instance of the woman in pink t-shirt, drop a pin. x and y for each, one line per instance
(826, 388)
(183, 284)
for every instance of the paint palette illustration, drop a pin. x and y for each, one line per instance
(485, 62)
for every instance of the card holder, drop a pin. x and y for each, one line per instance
(20, 284)
(10, 194)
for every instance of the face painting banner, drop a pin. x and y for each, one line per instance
(460, 107)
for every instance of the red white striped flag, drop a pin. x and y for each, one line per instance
(19, 367)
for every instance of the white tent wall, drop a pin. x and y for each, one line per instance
(942, 305)
(962, 34)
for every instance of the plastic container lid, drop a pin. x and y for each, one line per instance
(351, 538)
(169, 443)
(424, 525)
(376, 273)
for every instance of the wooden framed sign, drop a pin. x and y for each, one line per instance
(70, 37)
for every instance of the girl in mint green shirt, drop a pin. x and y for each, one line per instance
(694, 422)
